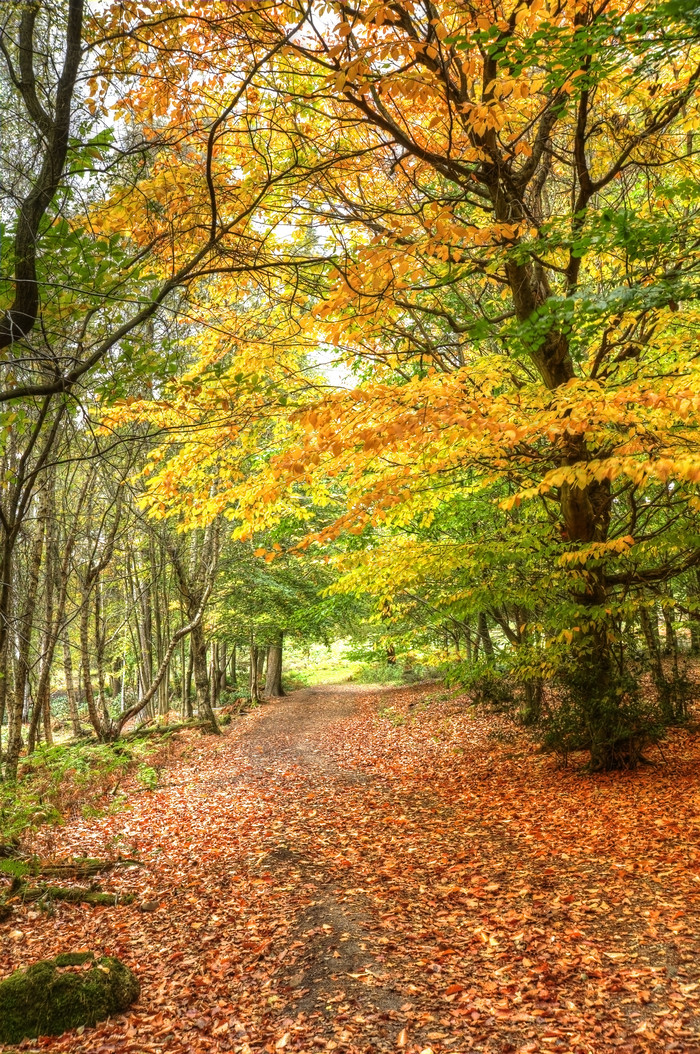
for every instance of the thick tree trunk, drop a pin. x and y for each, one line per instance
(485, 637)
(670, 638)
(201, 677)
(650, 630)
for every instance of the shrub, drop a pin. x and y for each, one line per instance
(605, 715)
(488, 684)
(148, 777)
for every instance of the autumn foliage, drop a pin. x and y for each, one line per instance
(371, 321)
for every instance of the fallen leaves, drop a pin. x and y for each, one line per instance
(512, 907)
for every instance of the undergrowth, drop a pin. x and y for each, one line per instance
(60, 781)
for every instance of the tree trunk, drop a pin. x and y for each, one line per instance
(42, 703)
(25, 629)
(100, 644)
(670, 638)
(214, 681)
(234, 672)
(201, 677)
(70, 686)
(485, 637)
(93, 713)
(254, 689)
(273, 682)
(223, 668)
(650, 630)
(187, 710)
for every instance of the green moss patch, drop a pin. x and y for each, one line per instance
(55, 995)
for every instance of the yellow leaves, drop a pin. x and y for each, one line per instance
(598, 551)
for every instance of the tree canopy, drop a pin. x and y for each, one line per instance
(390, 302)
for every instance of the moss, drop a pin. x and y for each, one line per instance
(50, 997)
(72, 894)
(73, 958)
(16, 868)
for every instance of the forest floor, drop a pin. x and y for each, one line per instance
(358, 869)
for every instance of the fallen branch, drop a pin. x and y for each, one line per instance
(164, 730)
(71, 894)
(82, 868)
(79, 867)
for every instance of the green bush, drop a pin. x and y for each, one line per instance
(148, 777)
(489, 684)
(379, 673)
(604, 715)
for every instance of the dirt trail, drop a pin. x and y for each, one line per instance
(325, 879)
(330, 957)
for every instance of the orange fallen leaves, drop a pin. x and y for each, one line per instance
(513, 908)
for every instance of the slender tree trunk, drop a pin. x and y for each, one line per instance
(93, 712)
(254, 682)
(214, 681)
(188, 712)
(100, 644)
(670, 638)
(70, 686)
(42, 703)
(4, 672)
(223, 667)
(273, 682)
(25, 628)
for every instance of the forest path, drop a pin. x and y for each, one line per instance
(366, 870)
(332, 967)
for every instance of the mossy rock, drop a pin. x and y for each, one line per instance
(51, 996)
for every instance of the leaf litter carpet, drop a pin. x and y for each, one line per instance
(357, 869)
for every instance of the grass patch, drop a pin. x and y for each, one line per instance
(318, 664)
(392, 716)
